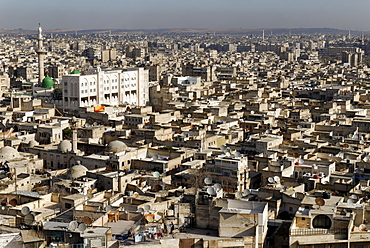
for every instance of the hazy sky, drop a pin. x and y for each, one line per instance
(132, 14)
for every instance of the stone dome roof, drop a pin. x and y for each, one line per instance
(47, 82)
(116, 146)
(33, 143)
(65, 146)
(8, 153)
(78, 170)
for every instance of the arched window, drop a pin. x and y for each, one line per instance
(321, 221)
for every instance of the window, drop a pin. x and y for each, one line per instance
(321, 221)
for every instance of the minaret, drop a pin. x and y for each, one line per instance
(74, 127)
(41, 52)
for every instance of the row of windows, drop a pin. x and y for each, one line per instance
(126, 79)
(127, 85)
(113, 88)
(85, 91)
(113, 81)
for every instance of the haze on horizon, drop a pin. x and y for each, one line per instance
(150, 14)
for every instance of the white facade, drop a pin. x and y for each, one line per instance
(111, 87)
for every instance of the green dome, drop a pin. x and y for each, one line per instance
(47, 83)
(75, 72)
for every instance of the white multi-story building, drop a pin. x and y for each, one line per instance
(106, 87)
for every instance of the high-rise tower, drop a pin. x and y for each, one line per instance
(41, 52)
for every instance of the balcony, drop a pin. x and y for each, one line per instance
(318, 231)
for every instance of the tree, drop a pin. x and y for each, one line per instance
(67, 133)
(197, 176)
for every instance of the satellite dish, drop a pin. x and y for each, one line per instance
(141, 210)
(155, 157)
(319, 201)
(87, 125)
(268, 131)
(24, 139)
(156, 174)
(362, 227)
(108, 208)
(211, 191)
(354, 197)
(271, 180)
(147, 207)
(87, 220)
(227, 154)
(223, 148)
(82, 227)
(238, 154)
(72, 226)
(299, 126)
(207, 180)
(277, 179)
(150, 219)
(246, 192)
(25, 210)
(238, 194)
(217, 186)
(29, 219)
(350, 201)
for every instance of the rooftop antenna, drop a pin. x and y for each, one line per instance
(350, 201)
(82, 227)
(141, 210)
(72, 226)
(277, 179)
(211, 191)
(320, 202)
(29, 219)
(25, 210)
(246, 192)
(271, 180)
(207, 180)
(217, 186)
(87, 220)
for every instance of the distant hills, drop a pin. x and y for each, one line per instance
(191, 30)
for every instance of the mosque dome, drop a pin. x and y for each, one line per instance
(65, 146)
(33, 143)
(8, 153)
(47, 83)
(78, 170)
(117, 146)
(75, 72)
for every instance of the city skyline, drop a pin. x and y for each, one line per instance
(187, 14)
